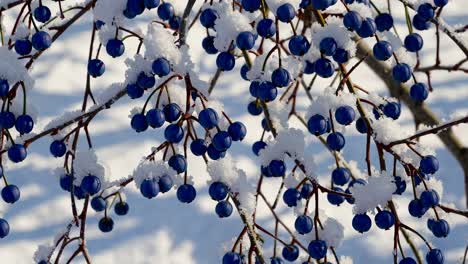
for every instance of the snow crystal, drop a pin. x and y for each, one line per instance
(327, 101)
(22, 32)
(333, 29)
(228, 25)
(362, 9)
(43, 252)
(110, 11)
(152, 170)
(86, 163)
(377, 191)
(160, 43)
(287, 141)
(332, 232)
(12, 70)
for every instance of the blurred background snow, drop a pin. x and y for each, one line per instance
(163, 230)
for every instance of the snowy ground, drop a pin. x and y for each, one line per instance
(163, 230)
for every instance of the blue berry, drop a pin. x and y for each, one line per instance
(78, 192)
(277, 168)
(208, 118)
(165, 183)
(317, 125)
(178, 163)
(382, 50)
(237, 131)
(362, 223)
(285, 13)
(429, 198)
(10, 193)
(267, 91)
(134, 91)
(186, 193)
(335, 199)
(244, 69)
(290, 253)
(414, 42)
(165, 11)
(280, 77)
(149, 188)
(198, 147)
(24, 124)
(257, 146)
(4, 228)
(400, 185)
(317, 249)
(324, 68)
(98, 203)
(407, 260)
(251, 5)
(440, 228)
(341, 176)
(23, 46)
(401, 72)
(121, 208)
(150, 4)
(322, 4)
(134, 8)
(223, 209)
(367, 28)
(208, 17)
(384, 22)
(7, 120)
(208, 45)
(420, 23)
(254, 88)
(139, 123)
(419, 92)
(440, 3)
(291, 196)
(106, 224)
(175, 22)
(145, 80)
(155, 118)
(96, 67)
(429, 164)
(42, 13)
(41, 40)
(426, 11)
(341, 55)
(218, 191)
(435, 256)
(222, 141)
(416, 209)
(328, 46)
(245, 40)
(161, 67)
(215, 154)
(298, 45)
(345, 115)
(66, 181)
(225, 61)
(115, 48)
(99, 24)
(303, 224)
(232, 258)
(336, 141)
(392, 110)
(91, 184)
(307, 190)
(58, 148)
(276, 260)
(173, 133)
(384, 219)
(172, 112)
(266, 28)
(309, 67)
(361, 125)
(352, 20)
(17, 153)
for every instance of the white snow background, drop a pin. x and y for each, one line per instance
(163, 230)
